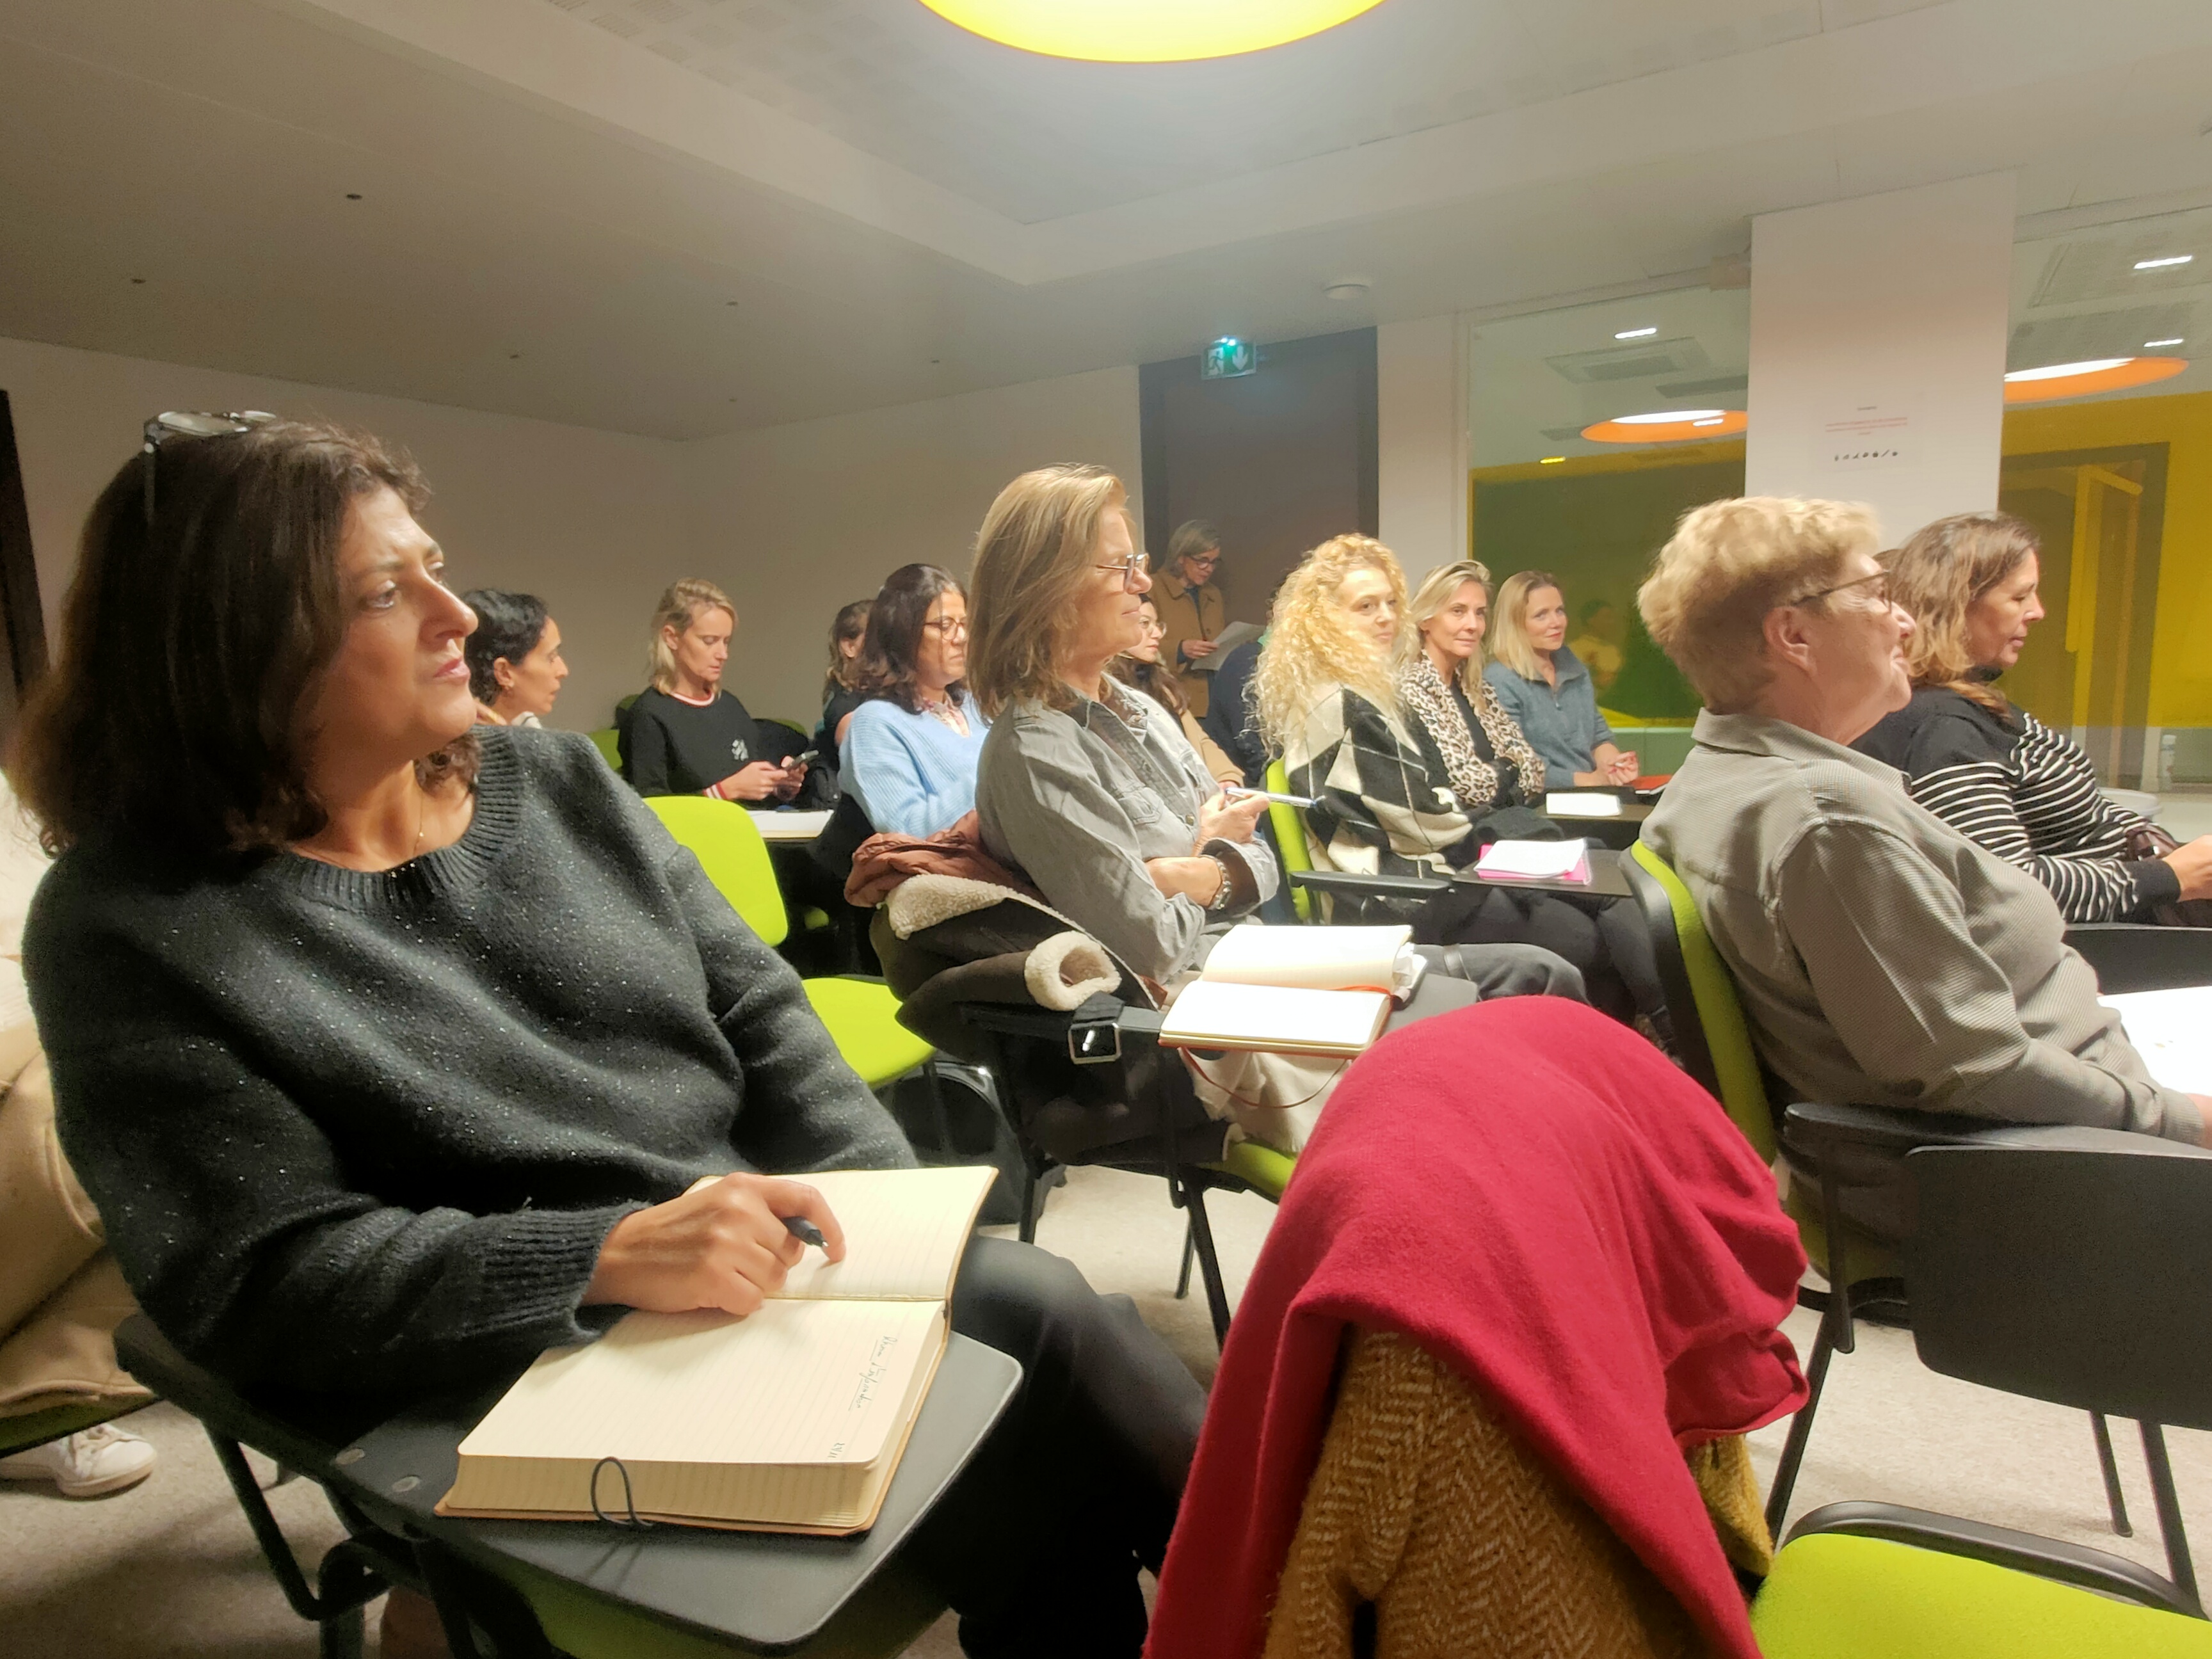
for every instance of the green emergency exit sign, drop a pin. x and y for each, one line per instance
(1227, 358)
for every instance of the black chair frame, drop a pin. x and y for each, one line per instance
(1830, 1141)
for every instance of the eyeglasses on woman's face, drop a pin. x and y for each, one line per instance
(947, 628)
(1876, 584)
(1135, 569)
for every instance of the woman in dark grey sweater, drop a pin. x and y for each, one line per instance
(389, 1051)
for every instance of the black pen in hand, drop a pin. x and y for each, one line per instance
(805, 1231)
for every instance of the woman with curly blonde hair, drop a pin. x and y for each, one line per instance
(1328, 699)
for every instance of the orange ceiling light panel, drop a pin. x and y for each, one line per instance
(2036, 386)
(1146, 31)
(1669, 426)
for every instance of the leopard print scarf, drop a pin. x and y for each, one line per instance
(1473, 780)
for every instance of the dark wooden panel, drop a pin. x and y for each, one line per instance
(1280, 460)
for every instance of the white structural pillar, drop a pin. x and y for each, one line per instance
(1420, 425)
(1878, 330)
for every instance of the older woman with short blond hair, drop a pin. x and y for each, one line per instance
(1882, 958)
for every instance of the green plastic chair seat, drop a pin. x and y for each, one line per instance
(36, 1428)
(889, 1614)
(1262, 1169)
(729, 848)
(863, 1020)
(1833, 1595)
(607, 742)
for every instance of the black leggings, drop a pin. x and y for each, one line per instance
(1037, 1545)
(1604, 937)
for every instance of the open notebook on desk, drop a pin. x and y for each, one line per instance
(790, 1420)
(1294, 990)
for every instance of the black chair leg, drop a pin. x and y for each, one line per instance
(1189, 1254)
(1801, 1427)
(1209, 1265)
(2178, 1564)
(2115, 1500)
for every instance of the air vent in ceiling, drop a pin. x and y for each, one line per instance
(1707, 388)
(2044, 340)
(2104, 267)
(1643, 361)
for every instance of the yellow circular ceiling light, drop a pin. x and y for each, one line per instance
(1669, 426)
(2035, 386)
(1146, 31)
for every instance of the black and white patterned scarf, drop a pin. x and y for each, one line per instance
(1473, 780)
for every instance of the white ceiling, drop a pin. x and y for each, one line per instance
(561, 222)
(1038, 138)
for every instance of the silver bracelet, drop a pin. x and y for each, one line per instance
(1221, 894)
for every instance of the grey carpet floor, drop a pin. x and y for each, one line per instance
(168, 1570)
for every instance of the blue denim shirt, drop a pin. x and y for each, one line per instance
(1562, 724)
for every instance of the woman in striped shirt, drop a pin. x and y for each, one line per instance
(1992, 771)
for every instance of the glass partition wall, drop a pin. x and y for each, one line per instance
(1591, 430)
(2108, 454)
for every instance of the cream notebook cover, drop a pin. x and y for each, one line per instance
(792, 1419)
(1294, 990)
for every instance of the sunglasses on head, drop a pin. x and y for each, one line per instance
(193, 423)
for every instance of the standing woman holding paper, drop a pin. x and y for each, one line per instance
(1547, 689)
(390, 1049)
(1191, 609)
(1329, 700)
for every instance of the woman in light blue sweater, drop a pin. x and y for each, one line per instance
(910, 755)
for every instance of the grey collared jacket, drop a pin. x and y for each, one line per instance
(1882, 958)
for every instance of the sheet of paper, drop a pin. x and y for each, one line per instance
(791, 826)
(1571, 804)
(2173, 1031)
(1226, 641)
(796, 1383)
(1211, 1014)
(1553, 861)
(904, 1231)
(1317, 959)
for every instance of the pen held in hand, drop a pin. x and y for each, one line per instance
(805, 1231)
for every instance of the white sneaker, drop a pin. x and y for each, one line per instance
(98, 1460)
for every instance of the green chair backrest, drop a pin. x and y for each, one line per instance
(727, 843)
(1719, 1013)
(1289, 836)
(608, 740)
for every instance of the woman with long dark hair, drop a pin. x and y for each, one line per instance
(910, 751)
(394, 1050)
(1143, 666)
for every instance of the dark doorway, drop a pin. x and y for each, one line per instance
(22, 623)
(1280, 459)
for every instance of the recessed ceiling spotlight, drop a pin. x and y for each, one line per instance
(1667, 417)
(2153, 345)
(2166, 263)
(729, 302)
(1146, 31)
(2066, 371)
(138, 279)
(1351, 287)
(1637, 333)
(1550, 461)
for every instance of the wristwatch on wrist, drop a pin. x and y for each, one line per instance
(1221, 894)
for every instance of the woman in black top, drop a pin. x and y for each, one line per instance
(842, 688)
(1992, 770)
(686, 735)
(390, 1051)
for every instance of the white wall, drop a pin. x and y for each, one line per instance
(1878, 330)
(1420, 427)
(795, 520)
(594, 521)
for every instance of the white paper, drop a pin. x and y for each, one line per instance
(1535, 861)
(2173, 1031)
(791, 826)
(1568, 804)
(905, 1230)
(1316, 958)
